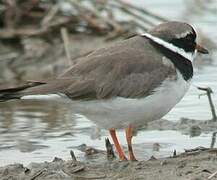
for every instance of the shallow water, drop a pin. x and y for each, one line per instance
(37, 130)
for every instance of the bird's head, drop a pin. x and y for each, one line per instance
(179, 34)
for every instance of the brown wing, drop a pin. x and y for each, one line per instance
(132, 68)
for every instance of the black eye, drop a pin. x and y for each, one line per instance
(189, 38)
(187, 43)
(192, 37)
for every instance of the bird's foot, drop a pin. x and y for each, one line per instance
(132, 157)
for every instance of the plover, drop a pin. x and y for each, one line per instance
(128, 84)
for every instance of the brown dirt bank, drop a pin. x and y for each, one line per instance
(194, 165)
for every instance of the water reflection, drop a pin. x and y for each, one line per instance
(23, 121)
(43, 130)
(49, 115)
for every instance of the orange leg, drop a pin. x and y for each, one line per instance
(117, 145)
(129, 135)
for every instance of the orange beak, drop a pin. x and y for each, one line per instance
(201, 49)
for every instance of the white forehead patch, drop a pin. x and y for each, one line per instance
(188, 55)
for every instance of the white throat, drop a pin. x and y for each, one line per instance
(188, 55)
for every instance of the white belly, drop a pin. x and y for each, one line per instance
(120, 112)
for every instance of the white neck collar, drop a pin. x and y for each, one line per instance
(188, 55)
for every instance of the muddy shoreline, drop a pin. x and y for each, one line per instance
(195, 165)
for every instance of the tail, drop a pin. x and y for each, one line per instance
(18, 91)
(45, 87)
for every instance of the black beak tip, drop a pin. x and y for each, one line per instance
(204, 51)
(201, 49)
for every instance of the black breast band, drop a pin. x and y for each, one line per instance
(181, 63)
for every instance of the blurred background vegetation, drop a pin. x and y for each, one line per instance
(47, 35)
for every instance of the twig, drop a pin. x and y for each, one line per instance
(109, 149)
(83, 11)
(213, 140)
(199, 148)
(94, 23)
(137, 16)
(212, 107)
(19, 32)
(50, 15)
(212, 175)
(90, 177)
(174, 153)
(78, 169)
(38, 174)
(142, 10)
(65, 38)
(73, 155)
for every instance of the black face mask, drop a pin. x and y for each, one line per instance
(187, 43)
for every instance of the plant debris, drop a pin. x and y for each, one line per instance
(184, 166)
